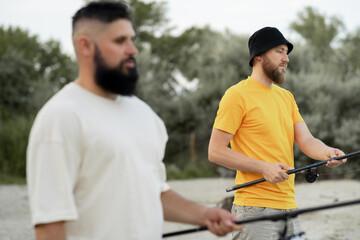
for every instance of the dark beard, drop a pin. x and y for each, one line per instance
(273, 72)
(115, 80)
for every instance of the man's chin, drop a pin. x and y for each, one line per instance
(279, 81)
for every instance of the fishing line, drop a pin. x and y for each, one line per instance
(337, 173)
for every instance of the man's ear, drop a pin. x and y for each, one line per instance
(257, 59)
(85, 46)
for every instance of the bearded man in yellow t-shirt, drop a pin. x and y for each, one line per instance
(261, 120)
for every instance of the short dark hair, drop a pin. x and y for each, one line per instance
(104, 11)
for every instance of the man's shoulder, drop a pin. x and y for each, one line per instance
(136, 102)
(59, 104)
(282, 90)
(242, 87)
(146, 106)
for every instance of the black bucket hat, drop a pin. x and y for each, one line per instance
(265, 39)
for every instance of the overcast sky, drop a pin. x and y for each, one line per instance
(52, 19)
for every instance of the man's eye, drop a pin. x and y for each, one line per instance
(120, 40)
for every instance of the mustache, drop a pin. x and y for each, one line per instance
(128, 59)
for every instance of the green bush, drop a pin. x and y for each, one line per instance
(14, 134)
(202, 169)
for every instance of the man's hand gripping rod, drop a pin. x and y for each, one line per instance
(229, 189)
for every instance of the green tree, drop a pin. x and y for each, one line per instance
(348, 56)
(318, 30)
(26, 66)
(30, 72)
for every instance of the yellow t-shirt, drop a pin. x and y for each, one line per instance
(262, 121)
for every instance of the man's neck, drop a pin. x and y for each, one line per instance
(88, 83)
(262, 78)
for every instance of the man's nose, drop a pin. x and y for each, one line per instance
(131, 49)
(285, 58)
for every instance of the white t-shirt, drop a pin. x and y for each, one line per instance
(97, 164)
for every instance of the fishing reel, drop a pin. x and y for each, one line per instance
(310, 175)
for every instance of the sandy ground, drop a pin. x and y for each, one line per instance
(333, 224)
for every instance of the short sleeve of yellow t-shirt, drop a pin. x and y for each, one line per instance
(230, 112)
(296, 114)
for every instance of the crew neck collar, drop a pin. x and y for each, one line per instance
(260, 84)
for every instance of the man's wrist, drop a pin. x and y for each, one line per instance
(203, 212)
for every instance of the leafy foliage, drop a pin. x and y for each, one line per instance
(318, 31)
(30, 72)
(25, 64)
(183, 78)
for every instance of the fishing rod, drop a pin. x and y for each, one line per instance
(271, 217)
(310, 176)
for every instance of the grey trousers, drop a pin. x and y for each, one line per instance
(263, 230)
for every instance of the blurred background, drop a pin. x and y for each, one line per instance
(190, 52)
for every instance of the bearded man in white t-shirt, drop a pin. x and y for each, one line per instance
(94, 159)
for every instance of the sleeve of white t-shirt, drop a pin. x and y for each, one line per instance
(162, 170)
(53, 160)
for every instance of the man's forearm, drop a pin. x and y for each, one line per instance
(178, 209)
(50, 231)
(219, 153)
(231, 159)
(315, 149)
